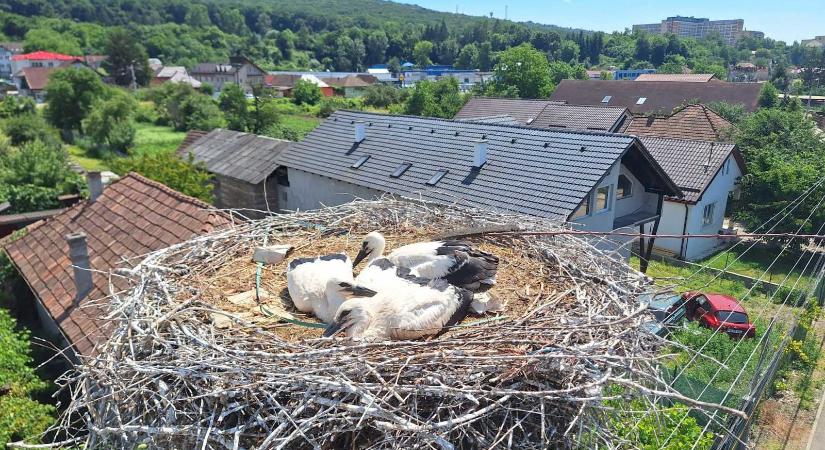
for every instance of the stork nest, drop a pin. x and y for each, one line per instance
(534, 376)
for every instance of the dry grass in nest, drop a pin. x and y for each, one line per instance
(534, 379)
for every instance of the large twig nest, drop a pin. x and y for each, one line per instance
(530, 377)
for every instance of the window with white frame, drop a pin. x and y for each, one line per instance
(602, 199)
(727, 166)
(624, 188)
(707, 214)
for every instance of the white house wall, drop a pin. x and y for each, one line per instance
(602, 220)
(673, 217)
(307, 191)
(638, 201)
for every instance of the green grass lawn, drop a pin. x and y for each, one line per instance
(755, 261)
(300, 123)
(85, 161)
(152, 138)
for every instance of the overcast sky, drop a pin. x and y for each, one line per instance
(786, 20)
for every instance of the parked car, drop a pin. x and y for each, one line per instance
(667, 308)
(718, 311)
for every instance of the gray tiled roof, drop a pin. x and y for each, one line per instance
(545, 113)
(503, 119)
(530, 171)
(243, 156)
(691, 164)
(524, 111)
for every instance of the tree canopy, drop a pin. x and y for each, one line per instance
(70, 94)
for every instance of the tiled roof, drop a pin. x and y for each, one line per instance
(213, 68)
(503, 119)
(243, 156)
(14, 47)
(348, 81)
(528, 170)
(544, 113)
(693, 122)
(286, 80)
(36, 77)
(691, 164)
(659, 96)
(133, 216)
(191, 137)
(42, 56)
(687, 77)
(525, 111)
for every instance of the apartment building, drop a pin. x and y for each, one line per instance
(693, 27)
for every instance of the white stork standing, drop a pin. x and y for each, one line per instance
(308, 280)
(458, 262)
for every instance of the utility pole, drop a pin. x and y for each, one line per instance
(133, 84)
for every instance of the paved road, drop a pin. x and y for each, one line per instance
(817, 439)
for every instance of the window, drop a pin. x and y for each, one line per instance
(583, 209)
(707, 214)
(624, 188)
(607, 98)
(641, 100)
(360, 162)
(400, 170)
(602, 200)
(282, 176)
(437, 176)
(726, 168)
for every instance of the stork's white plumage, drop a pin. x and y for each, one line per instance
(415, 308)
(307, 280)
(458, 262)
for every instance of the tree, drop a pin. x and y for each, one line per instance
(25, 128)
(34, 175)
(525, 69)
(127, 60)
(306, 92)
(264, 111)
(376, 46)
(732, 113)
(20, 415)
(421, 53)
(181, 175)
(485, 57)
(768, 96)
(673, 64)
(197, 16)
(184, 108)
(381, 95)
(49, 40)
(70, 94)
(435, 99)
(234, 106)
(200, 113)
(467, 57)
(111, 123)
(568, 52)
(717, 70)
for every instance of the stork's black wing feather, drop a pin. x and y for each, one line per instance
(473, 270)
(465, 299)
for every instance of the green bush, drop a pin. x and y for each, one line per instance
(111, 124)
(21, 417)
(382, 96)
(306, 93)
(32, 176)
(146, 113)
(184, 176)
(24, 128)
(331, 104)
(280, 131)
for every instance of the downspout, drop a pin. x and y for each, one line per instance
(683, 247)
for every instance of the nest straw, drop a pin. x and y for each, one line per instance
(533, 377)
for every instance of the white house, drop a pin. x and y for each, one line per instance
(570, 175)
(7, 50)
(708, 173)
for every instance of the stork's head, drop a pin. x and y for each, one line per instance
(346, 289)
(372, 247)
(353, 318)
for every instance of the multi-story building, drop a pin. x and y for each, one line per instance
(238, 70)
(817, 42)
(693, 27)
(7, 50)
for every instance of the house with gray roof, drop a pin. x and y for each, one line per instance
(239, 70)
(244, 166)
(545, 114)
(708, 173)
(570, 175)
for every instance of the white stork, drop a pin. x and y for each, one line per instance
(415, 308)
(308, 280)
(458, 262)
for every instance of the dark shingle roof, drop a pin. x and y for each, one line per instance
(525, 111)
(243, 156)
(661, 96)
(132, 216)
(191, 137)
(691, 164)
(544, 113)
(503, 119)
(693, 122)
(688, 77)
(213, 68)
(528, 170)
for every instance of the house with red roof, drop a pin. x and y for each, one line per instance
(31, 71)
(66, 260)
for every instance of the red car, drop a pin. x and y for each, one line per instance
(718, 311)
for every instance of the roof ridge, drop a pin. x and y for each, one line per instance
(495, 97)
(660, 138)
(156, 184)
(521, 127)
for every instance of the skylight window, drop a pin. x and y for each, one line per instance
(360, 162)
(641, 100)
(437, 176)
(607, 98)
(400, 170)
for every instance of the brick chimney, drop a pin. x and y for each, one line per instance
(79, 256)
(95, 185)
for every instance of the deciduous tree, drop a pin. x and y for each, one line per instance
(70, 94)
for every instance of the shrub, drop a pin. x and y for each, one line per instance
(184, 176)
(331, 104)
(146, 113)
(306, 92)
(24, 128)
(279, 131)
(21, 417)
(31, 177)
(382, 96)
(111, 122)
